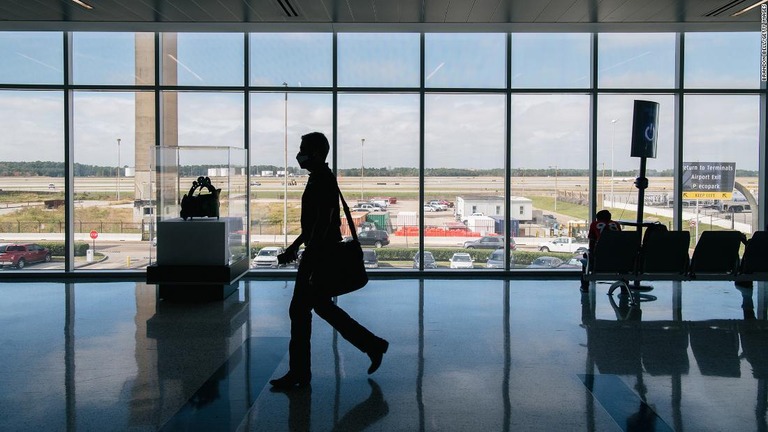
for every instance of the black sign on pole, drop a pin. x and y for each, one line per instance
(645, 125)
(645, 120)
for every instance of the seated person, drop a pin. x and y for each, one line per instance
(601, 223)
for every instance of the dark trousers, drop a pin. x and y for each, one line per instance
(305, 299)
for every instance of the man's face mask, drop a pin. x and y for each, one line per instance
(302, 159)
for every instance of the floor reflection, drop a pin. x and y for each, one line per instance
(633, 347)
(507, 355)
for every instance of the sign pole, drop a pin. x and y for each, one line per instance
(641, 182)
(697, 220)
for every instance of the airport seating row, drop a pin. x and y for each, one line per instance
(664, 255)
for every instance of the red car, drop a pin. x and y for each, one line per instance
(19, 255)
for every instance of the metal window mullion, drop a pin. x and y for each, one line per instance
(422, 143)
(247, 139)
(678, 144)
(508, 156)
(593, 107)
(158, 99)
(335, 99)
(69, 159)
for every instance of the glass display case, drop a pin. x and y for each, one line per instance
(199, 241)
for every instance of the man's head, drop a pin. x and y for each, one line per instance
(603, 215)
(313, 150)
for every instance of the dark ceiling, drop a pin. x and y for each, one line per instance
(709, 12)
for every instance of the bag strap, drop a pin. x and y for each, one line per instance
(352, 228)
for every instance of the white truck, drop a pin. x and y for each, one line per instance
(565, 244)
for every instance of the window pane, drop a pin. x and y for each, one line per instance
(388, 182)
(32, 151)
(202, 59)
(112, 178)
(550, 60)
(645, 60)
(203, 119)
(617, 170)
(725, 60)
(111, 58)
(550, 168)
(271, 144)
(31, 58)
(722, 129)
(298, 59)
(465, 60)
(464, 161)
(378, 60)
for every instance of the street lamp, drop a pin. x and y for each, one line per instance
(118, 169)
(285, 173)
(362, 169)
(613, 139)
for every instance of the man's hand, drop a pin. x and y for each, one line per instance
(290, 255)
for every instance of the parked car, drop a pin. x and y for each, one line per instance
(496, 259)
(565, 244)
(429, 208)
(489, 242)
(429, 260)
(438, 205)
(574, 263)
(370, 260)
(367, 207)
(267, 257)
(376, 238)
(19, 255)
(461, 260)
(546, 262)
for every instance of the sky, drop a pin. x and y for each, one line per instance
(462, 130)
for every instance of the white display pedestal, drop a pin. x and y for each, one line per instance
(202, 242)
(193, 260)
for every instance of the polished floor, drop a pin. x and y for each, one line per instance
(465, 355)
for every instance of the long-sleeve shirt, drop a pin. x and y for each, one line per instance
(320, 209)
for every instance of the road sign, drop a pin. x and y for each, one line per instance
(94, 234)
(709, 180)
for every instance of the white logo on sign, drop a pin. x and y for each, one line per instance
(650, 132)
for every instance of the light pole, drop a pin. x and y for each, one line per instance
(285, 173)
(555, 187)
(613, 140)
(118, 169)
(362, 169)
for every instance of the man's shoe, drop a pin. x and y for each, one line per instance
(290, 381)
(377, 356)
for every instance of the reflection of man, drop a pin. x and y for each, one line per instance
(320, 227)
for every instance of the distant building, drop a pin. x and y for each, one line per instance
(521, 208)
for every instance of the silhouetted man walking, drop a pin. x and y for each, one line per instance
(320, 227)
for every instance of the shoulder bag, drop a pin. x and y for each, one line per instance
(341, 270)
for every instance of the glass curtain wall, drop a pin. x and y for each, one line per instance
(426, 131)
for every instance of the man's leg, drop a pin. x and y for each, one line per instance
(300, 312)
(299, 352)
(352, 331)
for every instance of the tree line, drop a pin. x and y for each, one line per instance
(56, 169)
